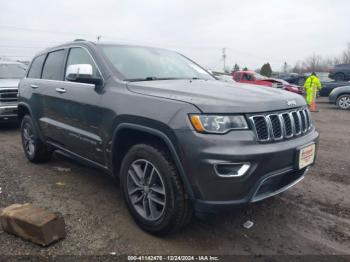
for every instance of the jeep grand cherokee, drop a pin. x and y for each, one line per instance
(178, 139)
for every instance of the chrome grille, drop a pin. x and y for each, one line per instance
(281, 125)
(261, 127)
(8, 95)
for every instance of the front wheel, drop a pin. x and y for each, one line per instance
(153, 191)
(35, 150)
(343, 102)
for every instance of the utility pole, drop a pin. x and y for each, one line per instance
(224, 58)
(98, 38)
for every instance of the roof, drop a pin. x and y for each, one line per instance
(91, 44)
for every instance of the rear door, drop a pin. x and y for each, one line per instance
(52, 117)
(31, 87)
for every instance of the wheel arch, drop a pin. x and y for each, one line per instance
(24, 109)
(146, 133)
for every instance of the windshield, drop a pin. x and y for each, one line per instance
(142, 63)
(12, 71)
(259, 77)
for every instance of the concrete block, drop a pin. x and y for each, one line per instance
(33, 223)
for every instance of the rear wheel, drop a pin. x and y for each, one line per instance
(343, 102)
(339, 77)
(153, 191)
(35, 150)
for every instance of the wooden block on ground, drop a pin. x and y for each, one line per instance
(33, 223)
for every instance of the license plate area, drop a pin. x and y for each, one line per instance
(306, 156)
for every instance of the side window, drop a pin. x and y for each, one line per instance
(78, 55)
(247, 77)
(237, 77)
(36, 67)
(54, 65)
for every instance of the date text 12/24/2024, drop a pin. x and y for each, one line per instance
(173, 258)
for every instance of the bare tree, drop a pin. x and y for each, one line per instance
(297, 68)
(345, 56)
(313, 63)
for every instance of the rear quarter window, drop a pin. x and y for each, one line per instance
(36, 67)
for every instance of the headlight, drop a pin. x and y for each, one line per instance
(218, 124)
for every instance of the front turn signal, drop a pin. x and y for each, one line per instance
(196, 122)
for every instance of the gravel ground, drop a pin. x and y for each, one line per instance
(311, 218)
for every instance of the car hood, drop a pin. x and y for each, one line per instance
(9, 83)
(212, 96)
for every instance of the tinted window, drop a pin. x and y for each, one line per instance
(78, 55)
(54, 65)
(37, 65)
(247, 77)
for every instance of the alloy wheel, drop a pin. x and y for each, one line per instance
(344, 102)
(146, 190)
(28, 139)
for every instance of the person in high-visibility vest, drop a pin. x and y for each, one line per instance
(311, 86)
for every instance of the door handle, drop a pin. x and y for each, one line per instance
(60, 90)
(34, 86)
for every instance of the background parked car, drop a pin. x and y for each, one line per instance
(224, 78)
(293, 78)
(10, 74)
(251, 77)
(340, 72)
(341, 97)
(328, 84)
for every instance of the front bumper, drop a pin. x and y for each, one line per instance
(8, 113)
(332, 98)
(273, 167)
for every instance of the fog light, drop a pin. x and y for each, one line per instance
(231, 169)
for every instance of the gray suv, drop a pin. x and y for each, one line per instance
(179, 140)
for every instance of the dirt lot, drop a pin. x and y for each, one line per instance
(311, 218)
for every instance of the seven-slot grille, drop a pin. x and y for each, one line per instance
(281, 125)
(8, 95)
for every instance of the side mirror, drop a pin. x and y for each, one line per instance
(82, 73)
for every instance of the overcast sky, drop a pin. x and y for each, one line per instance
(254, 32)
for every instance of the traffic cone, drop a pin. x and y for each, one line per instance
(313, 106)
(313, 101)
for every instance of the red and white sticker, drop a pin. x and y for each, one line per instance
(306, 156)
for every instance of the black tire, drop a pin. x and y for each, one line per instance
(343, 102)
(339, 77)
(177, 211)
(35, 150)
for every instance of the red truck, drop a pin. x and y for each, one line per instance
(251, 77)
